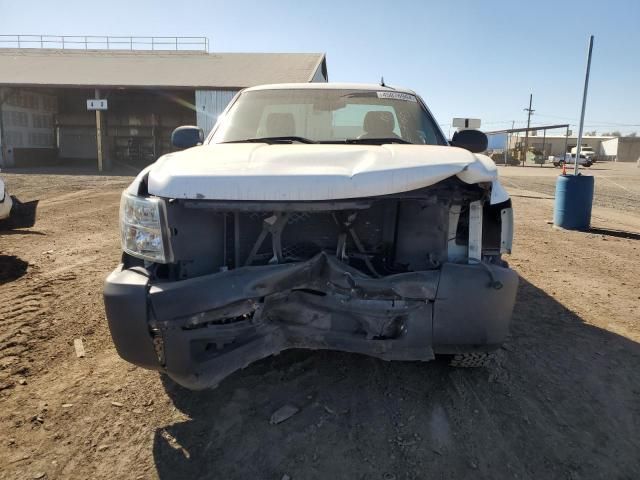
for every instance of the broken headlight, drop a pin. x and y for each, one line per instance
(142, 222)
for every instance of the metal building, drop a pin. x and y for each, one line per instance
(44, 93)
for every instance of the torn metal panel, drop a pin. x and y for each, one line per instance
(323, 273)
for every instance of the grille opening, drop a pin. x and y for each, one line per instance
(378, 236)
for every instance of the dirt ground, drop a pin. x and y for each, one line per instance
(561, 400)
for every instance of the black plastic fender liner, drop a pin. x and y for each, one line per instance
(125, 303)
(469, 310)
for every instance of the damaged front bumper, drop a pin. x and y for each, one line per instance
(201, 330)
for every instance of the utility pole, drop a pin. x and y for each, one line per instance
(526, 134)
(508, 142)
(584, 105)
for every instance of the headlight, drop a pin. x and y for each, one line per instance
(141, 227)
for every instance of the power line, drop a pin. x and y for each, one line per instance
(599, 122)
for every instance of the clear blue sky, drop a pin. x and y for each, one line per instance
(466, 58)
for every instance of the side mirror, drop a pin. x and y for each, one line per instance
(473, 140)
(187, 136)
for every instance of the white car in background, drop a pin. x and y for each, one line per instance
(5, 202)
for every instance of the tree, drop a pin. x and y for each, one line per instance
(633, 134)
(592, 133)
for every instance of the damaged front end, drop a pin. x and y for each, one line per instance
(399, 277)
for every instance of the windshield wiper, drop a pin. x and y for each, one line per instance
(376, 141)
(271, 140)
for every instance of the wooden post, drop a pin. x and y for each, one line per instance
(99, 132)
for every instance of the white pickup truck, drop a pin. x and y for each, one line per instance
(321, 216)
(570, 159)
(588, 152)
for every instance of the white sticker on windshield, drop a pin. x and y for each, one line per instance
(397, 96)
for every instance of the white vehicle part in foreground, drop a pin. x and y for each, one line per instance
(506, 234)
(303, 172)
(5, 202)
(475, 232)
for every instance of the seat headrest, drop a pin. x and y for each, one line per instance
(280, 125)
(379, 122)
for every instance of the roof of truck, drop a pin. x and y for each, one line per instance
(333, 86)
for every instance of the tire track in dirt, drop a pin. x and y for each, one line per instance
(25, 320)
(19, 319)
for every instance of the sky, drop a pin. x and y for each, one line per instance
(466, 58)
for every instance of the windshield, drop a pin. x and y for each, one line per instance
(328, 116)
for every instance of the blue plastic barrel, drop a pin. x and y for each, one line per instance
(574, 196)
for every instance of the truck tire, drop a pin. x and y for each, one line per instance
(470, 360)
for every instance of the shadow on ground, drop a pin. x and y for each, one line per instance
(11, 268)
(615, 233)
(560, 401)
(535, 197)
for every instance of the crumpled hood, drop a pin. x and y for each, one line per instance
(303, 172)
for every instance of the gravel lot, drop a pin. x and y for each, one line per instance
(617, 184)
(561, 400)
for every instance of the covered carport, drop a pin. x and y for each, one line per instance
(47, 116)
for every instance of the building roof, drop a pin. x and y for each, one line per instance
(164, 69)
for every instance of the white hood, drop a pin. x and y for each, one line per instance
(295, 172)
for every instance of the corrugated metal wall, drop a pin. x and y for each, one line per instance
(27, 119)
(210, 104)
